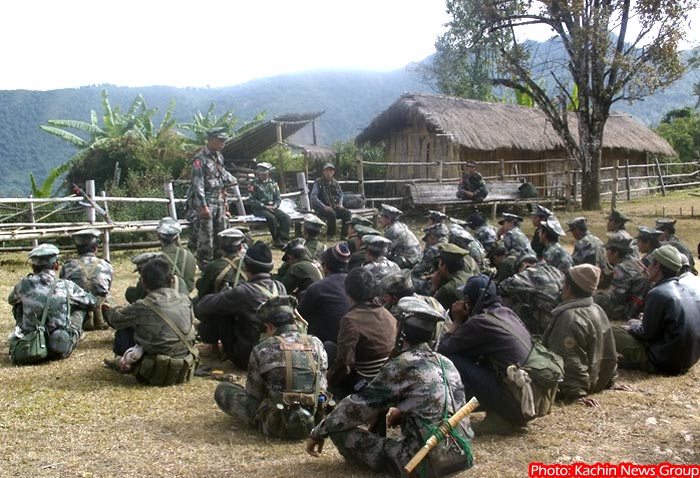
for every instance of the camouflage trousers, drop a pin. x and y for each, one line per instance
(234, 400)
(381, 454)
(204, 233)
(634, 352)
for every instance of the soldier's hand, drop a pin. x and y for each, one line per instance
(205, 213)
(314, 446)
(588, 402)
(393, 417)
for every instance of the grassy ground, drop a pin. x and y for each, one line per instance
(74, 418)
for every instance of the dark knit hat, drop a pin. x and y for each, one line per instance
(259, 254)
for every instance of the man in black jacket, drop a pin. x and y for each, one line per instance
(327, 201)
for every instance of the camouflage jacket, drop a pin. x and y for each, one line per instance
(264, 193)
(486, 235)
(379, 269)
(412, 382)
(209, 179)
(183, 262)
(404, 244)
(150, 331)
(315, 248)
(555, 255)
(301, 275)
(589, 250)
(625, 297)
(29, 297)
(218, 273)
(267, 367)
(90, 273)
(474, 184)
(515, 240)
(428, 262)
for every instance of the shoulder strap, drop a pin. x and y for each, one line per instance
(48, 301)
(225, 271)
(177, 331)
(176, 269)
(268, 293)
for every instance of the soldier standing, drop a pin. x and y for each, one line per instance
(206, 198)
(265, 201)
(404, 249)
(327, 200)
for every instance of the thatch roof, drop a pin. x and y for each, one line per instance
(314, 152)
(256, 141)
(497, 126)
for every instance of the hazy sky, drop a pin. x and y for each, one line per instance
(49, 44)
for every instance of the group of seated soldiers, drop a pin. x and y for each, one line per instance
(408, 333)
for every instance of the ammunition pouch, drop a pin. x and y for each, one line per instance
(162, 370)
(287, 415)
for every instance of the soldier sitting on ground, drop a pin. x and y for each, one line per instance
(450, 276)
(553, 253)
(181, 259)
(301, 270)
(404, 249)
(91, 273)
(513, 237)
(311, 232)
(286, 377)
(227, 270)
(588, 249)
(647, 241)
(485, 233)
(435, 235)
(376, 262)
(357, 247)
(668, 236)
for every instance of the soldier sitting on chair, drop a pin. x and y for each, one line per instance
(472, 185)
(327, 200)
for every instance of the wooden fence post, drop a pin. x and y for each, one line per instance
(240, 206)
(280, 159)
(439, 170)
(613, 199)
(661, 178)
(35, 242)
(105, 233)
(90, 191)
(501, 169)
(304, 189)
(170, 196)
(570, 198)
(360, 174)
(628, 180)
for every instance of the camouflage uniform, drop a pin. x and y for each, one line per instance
(515, 240)
(555, 255)
(464, 239)
(266, 379)
(267, 193)
(486, 235)
(28, 299)
(474, 184)
(405, 247)
(421, 272)
(315, 248)
(94, 275)
(208, 188)
(379, 269)
(533, 293)
(589, 250)
(183, 263)
(625, 298)
(413, 382)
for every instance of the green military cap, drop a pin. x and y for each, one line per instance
(375, 243)
(439, 230)
(296, 244)
(617, 217)
(362, 231)
(525, 256)
(668, 256)
(552, 224)
(460, 236)
(329, 165)
(452, 249)
(647, 232)
(397, 282)
(475, 220)
(264, 167)
(471, 163)
(313, 222)
(140, 259)
(664, 222)
(578, 223)
(418, 314)
(282, 304)
(232, 235)
(541, 211)
(618, 240)
(508, 217)
(84, 237)
(436, 216)
(44, 254)
(219, 133)
(168, 227)
(390, 211)
(356, 219)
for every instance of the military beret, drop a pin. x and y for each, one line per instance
(436, 216)
(647, 232)
(264, 167)
(471, 163)
(232, 235)
(86, 236)
(552, 224)
(475, 220)
(397, 282)
(44, 254)
(668, 256)
(508, 217)
(617, 216)
(140, 259)
(618, 240)
(389, 211)
(219, 133)
(375, 243)
(282, 304)
(313, 222)
(664, 222)
(168, 227)
(439, 230)
(356, 219)
(362, 230)
(452, 249)
(541, 211)
(259, 254)
(329, 165)
(418, 314)
(578, 223)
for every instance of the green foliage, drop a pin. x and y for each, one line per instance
(46, 188)
(200, 124)
(681, 128)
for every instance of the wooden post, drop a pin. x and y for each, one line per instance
(360, 174)
(304, 189)
(628, 181)
(439, 170)
(570, 192)
(280, 159)
(501, 169)
(240, 206)
(170, 196)
(105, 233)
(661, 178)
(90, 191)
(35, 242)
(613, 198)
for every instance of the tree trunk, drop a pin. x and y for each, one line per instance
(591, 158)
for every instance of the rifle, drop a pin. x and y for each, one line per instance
(482, 297)
(91, 203)
(442, 433)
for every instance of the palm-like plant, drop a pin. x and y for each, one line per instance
(201, 123)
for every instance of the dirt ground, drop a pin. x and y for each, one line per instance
(74, 418)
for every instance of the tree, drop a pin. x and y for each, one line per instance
(606, 60)
(681, 128)
(202, 123)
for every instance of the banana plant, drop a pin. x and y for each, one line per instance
(46, 188)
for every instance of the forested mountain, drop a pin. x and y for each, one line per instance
(350, 100)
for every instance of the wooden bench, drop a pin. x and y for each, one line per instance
(442, 195)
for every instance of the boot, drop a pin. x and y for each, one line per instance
(97, 319)
(88, 323)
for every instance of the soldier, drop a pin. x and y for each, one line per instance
(359, 252)
(154, 336)
(616, 221)
(405, 248)
(302, 271)
(312, 230)
(689, 280)
(472, 185)
(435, 217)
(483, 231)
(286, 377)
(513, 237)
(668, 236)
(227, 270)
(231, 315)
(137, 292)
(183, 261)
(206, 197)
(588, 249)
(419, 387)
(450, 277)
(435, 235)
(647, 241)
(40, 297)
(354, 221)
(625, 298)
(265, 202)
(533, 291)
(539, 215)
(90, 273)
(327, 200)
(476, 258)
(375, 261)
(553, 253)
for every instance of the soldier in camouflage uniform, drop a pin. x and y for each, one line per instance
(472, 185)
(668, 236)
(476, 259)
(419, 387)
(404, 249)
(287, 370)
(302, 271)
(533, 292)
(647, 241)
(435, 217)
(354, 221)
(625, 297)
(265, 202)
(28, 299)
(206, 197)
(359, 252)
(375, 261)
(553, 252)
(450, 277)
(182, 260)
(483, 231)
(539, 215)
(327, 200)
(227, 270)
(588, 249)
(90, 273)
(312, 230)
(435, 235)
(513, 237)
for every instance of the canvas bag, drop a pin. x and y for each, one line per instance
(31, 348)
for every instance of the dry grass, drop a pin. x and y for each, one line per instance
(74, 418)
